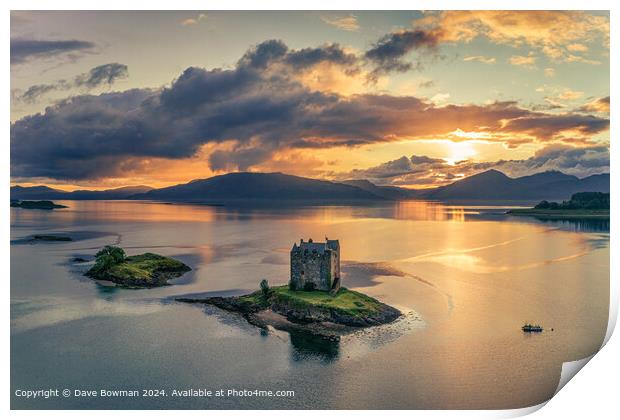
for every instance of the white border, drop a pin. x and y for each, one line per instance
(594, 394)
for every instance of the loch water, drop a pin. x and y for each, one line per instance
(467, 278)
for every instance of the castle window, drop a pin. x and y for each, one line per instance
(302, 272)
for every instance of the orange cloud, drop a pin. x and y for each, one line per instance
(346, 23)
(523, 60)
(480, 58)
(194, 21)
(598, 105)
(555, 33)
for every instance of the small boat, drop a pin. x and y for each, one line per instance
(532, 328)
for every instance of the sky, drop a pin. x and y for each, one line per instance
(103, 99)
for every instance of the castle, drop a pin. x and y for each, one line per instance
(315, 266)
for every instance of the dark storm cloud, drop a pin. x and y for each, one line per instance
(332, 53)
(263, 54)
(273, 52)
(105, 74)
(388, 53)
(258, 107)
(547, 126)
(102, 75)
(36, 91)
(26, 49)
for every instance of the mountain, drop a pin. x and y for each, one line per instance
(113, 194)
(387, 192)
(41, 192)
(259, 186)
(494, 185)
(38, 192)
(490, 185)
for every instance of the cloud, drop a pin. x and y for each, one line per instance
(332, 53)
(481, 59)
(579, 59)
(194, 21)
(547, 126)
(249, 113)
(387, 55)
(523, 60)
(346, 23)
(549, 72)
(427, 171)
(440, 98)
(23, 50)
(576, 47)
(597, 105)
(105, 74)
(569, 95)
(427, 84)
(554, 33)
(33, 93)
(578, 161)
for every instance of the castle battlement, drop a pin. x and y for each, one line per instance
(315, 265)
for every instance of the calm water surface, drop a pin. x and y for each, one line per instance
(468, 278)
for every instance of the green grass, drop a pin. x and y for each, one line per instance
(143, 268)
(345, 301)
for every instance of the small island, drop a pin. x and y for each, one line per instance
(137, 271)
(583, 205)
(51, 238)
(313, 302)
(38, 205)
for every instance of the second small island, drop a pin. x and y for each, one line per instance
(137, 271)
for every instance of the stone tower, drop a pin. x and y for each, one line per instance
(315, 265)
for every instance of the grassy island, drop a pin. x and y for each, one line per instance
(584, 205)
(39, 205)
(317, 312)
(136, 271)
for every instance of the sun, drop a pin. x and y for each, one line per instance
(458, 151)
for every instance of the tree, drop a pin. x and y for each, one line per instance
(108, 256)
(117, 253)
(542, 205)
(264, 287)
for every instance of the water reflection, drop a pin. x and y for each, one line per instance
(306, 346)
(106, 291)
(458, 267)
(143, 211)
(575, 225)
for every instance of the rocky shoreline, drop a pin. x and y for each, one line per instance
(289, 315)
(158, 278)
(146, 270)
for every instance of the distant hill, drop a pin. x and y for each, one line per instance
(29, 193)
(387, 192)
(41, 192)
(494, 185)
(490, 185)
(259, 186)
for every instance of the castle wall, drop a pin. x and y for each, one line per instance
(316, 264)
(314, 267)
